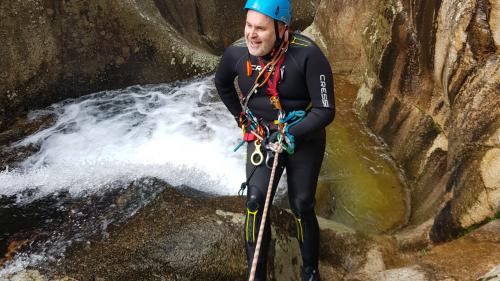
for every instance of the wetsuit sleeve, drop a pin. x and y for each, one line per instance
(224, 82)
(319, 81)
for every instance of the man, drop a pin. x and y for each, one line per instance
(280, 73)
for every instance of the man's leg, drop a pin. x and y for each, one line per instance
(258, 181)
(303, 169)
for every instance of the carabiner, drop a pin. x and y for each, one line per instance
(257, 153)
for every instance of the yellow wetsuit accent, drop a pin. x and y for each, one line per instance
(300, 42)
(300, 230)
(254, 218)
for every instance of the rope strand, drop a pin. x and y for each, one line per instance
(264, 217)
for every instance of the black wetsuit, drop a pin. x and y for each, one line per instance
(307, 83)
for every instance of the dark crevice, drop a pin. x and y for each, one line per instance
(444, 228)
(454, 89)
(167, 14)
(411, 73)
(387, 66)
(427, 12)
(391, 127)
(480, 37)
(199, 20)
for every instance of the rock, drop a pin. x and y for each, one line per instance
(492, 275)
(194, 241)
(470, 128)
(45, 60)
(339, 29)
(490, 165)
(43, 63)
(468, 257)
(184, 235)
(28, 275)
(429, 80)
(413, 273)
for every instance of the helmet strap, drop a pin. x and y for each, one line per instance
(277, 43)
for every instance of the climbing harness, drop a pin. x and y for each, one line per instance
(255, 129)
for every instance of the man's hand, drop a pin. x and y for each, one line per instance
(272, 143)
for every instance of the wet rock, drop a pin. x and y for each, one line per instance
(214, 24)
(11, 154)
(174, 237)
(180, 237)
(43, 59)
(28, 275)
(44, 63)
(341, 29)
(468, 257)
(184, 235)
(414, 273)
(492, 275)
(430, 90)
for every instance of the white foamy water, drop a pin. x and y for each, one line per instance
(179, 133)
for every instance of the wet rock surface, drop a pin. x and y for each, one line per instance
(12, 154)
(181, 236)
(175, 238)
(339, 29)
(55, 50)
(149, 230)
(430, 90)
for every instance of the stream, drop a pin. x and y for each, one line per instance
(113, 146)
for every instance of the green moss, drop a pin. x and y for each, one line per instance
(478, 225)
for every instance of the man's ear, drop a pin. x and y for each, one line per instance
(282, 29)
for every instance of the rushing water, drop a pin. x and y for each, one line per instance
(99, 144)
(180, 133)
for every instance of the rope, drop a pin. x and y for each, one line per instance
(264, 216)
(266, 71)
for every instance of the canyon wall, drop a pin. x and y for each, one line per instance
(430, 88)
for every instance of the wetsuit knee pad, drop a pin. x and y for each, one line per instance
(302, 210)
(252, 211)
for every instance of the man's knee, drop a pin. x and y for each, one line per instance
(254, 204)
(302, 207)
(303, 211)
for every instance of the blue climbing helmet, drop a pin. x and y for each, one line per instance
(280, 10)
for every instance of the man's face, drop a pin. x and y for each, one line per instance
(259, 33)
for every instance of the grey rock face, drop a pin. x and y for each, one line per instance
(430, 89)
(53, 50)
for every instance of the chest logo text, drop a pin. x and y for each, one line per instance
(324, 93)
